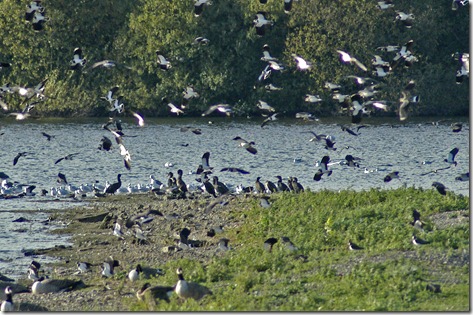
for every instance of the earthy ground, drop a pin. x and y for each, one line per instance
(91, 229)
(94, 242)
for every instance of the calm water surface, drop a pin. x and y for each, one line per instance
(384, 145)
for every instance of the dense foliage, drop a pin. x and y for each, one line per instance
(226, 69)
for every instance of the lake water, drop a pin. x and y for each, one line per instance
(384, 145)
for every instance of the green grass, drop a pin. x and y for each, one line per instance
(390, 274)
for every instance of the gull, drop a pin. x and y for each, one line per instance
(141, 121)
(329, 144)
(246, 144)
(451, 157)
(302, 64)
(163, 63)
(273, 117)
(378, 61)
(266, 54)
(78, 60)
(456, 127)
(199, 6)
(223, 108)
(317, 137)
(376, 104)
(174, 108)
(323, 168)
(67, 157)
(362, 80)
(350, 160)
(383, 5)
(271, 87)
(25, 113)
(404, 53)
(332, 86)
(265, 106)
(260, 22)
(306, 116)
(189, 92)
(464, 66)
(347, 58)
(405, 18)
(403, 107)
(344, 128)
(381, 71)
(459, 3)
(312, 98)
(276, 66)
(388, 48)
(264, 74)
(38, 20)
(117, 105)
(435, 171)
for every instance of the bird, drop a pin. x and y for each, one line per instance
(465, 177)
(259, 186)
(350, 161)
(451, 157)
(205, 163)
(405, 18)
(7, 304)
(234, 169)
(201, 40)
(174, 109)
(260, 23)
(347, 58)
(415, 218)
(266, 54)
(43, 285)
(117, 230)
(391, 176)
(440, 188)
(345, 128)
(156, 292)
(115, 186)
(456, 127)
(270, 187)
(199, 6)
(163, 63)
(287, 242)
(353, 246)
(264, 202)
(84, 266)
(223, 244)
(403, 106)
(302, 64)
(196, 131)
(220, 187)
(418, 241)
(140, 120)
(312, 98)
(61, 178)
(78, 61)
(269, 243)
(109, 97)
(105, 144)
(186, 289)
(67, 157)
(134, 274)
(246, 145)
(223, 108)
(18, 156)
(47, 136)
(273, 117)
(294, 184)
(435, 171)
(108, 267)
(383, 5)
(287, 6)
(323, 168)
(281, 185)
(459, 3)
(265, 106)
(329, 144)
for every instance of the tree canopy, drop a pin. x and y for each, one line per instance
(225, 68)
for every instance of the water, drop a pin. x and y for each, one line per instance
(283, 147)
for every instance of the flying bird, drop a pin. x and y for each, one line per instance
(67, 157)
(199, 6)
(440, 188)
(235, 170)
(48, 137)
(260, 23)
(273, 117)
(451, 157)
(223, 108)
(302, 64)
(352, 60)
(18, 156)
(323, 168)
(246, 144)
(78, 61)
(163, 63)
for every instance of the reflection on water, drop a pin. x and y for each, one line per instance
(284, 149)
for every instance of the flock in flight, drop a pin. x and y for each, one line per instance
(355, 104)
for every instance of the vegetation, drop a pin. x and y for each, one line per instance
(225, 71)
(388, 274)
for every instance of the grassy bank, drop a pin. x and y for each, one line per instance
(388, 274)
